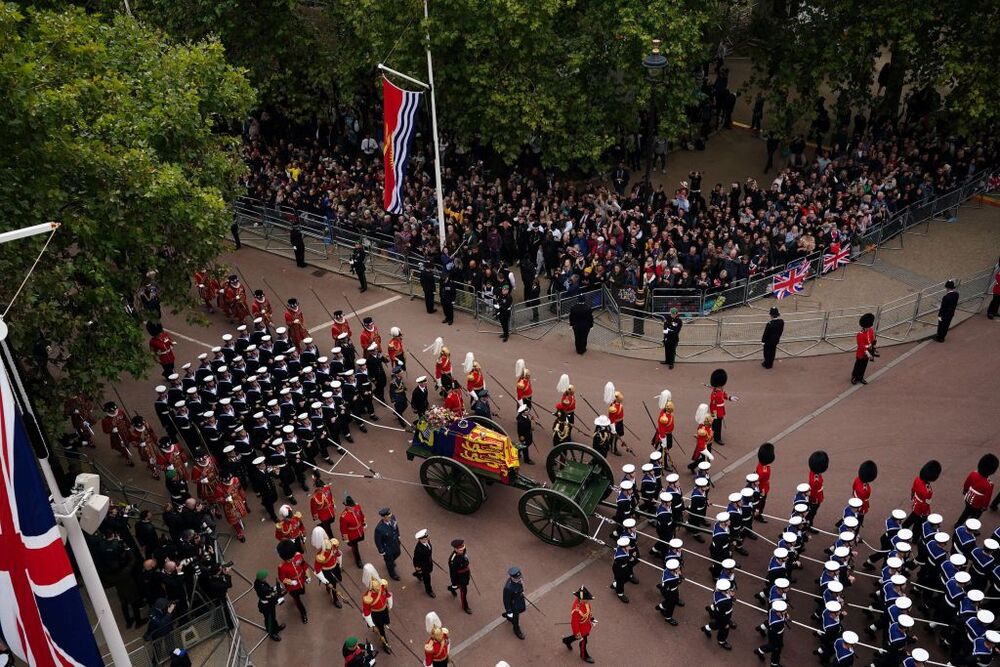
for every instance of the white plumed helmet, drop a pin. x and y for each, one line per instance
(431, 621)
(609, 392)
(563, 383)
(318, 537)
(665, 397)
(469, 360)
(701, 413)
(518, 369)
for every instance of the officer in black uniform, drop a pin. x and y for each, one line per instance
(524, 436)
(513, 600)
(418, 399)
(447, 297)
(268, 598)
(358, 265)
(504, 305)
(771, 337)
(427, 285)
(671, 337)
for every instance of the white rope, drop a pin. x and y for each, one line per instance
(30, 271)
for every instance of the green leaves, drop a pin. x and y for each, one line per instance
(109, 128)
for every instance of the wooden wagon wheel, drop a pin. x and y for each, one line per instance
(452, 485)
(553, 518)
(486, 422)
(574, 451)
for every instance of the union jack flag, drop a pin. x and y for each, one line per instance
(42, 618)
(838, 257)
(791, 281)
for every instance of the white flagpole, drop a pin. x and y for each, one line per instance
(434, 129)
(74, 533)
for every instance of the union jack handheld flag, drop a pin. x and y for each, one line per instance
(42, 618)
(836, 258)
(791, 281)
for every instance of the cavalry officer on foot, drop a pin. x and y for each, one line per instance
(525, 438)
(461, 574)
(567, 399)
(513, 600)
(664, 439)
(376, 603)
(582, 621)
(616, 413)
(438, 644)
(395, 349)
(523, 390)
(327, 563)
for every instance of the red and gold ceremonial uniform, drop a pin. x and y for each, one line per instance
(144, 442)
(475, 381)
(815, 488)
(978, 491)
(233, 499)
(205, 473)
(567, 403)
(262, 308)
(524, 390)
(702, 437)
(436, 649)
(664, 424)
(290, 528)
(173, 456)
(396, 352)
(296, 323)
(369, 337)
(581, 621)
(442, 366)
(763, 471)
(865, 340)
(236, 303)
(117, 427)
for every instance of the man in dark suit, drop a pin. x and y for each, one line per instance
(428, 284)
(298, 245)
(671, 336)
(949, 302)
(771, 337)
(582, 320)
(447, 293)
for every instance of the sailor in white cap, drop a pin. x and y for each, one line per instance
(777, 617)
(892, 525)
(625, 504)
(843, 649)
(622, 567)
(648, 487)
(830, 628)
(698, 508)
(670, 584)
(418, 398)
(722, 613)
(722, 543)
(664, 523)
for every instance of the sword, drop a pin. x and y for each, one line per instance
(677, 442)
(528, 600)
(624, 446)
(321, 302)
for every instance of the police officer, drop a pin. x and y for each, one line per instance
(358, 265)
(447, 291)
(771, 337)
(671, 337)
(387, 541)
(503, 306)
(513, 599)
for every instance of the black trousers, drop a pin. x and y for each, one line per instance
(669, 603)
(717, 430)
(515, 618)
(770, 349)
(994, 307)
(235, 229)
(942, 328)
(969, 512)
(425, 577)
(363, 280)
(270, 619)
(773, 646)
(505, 325)
(449, 311)
(300, 255)
(580, 338)
(429, 300)
(720, 623)
(860, 365)
(670, 351)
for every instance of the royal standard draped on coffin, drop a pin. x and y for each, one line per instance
(471, 444)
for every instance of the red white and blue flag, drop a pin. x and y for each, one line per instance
(42, 618)
(791, 281)
(837, 257)
(400, 120)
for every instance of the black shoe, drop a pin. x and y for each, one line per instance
(761, 519)
(863, 381)
(281, 626)
(680, 603)
(275, 638)
(751, 536)
(726, 645)
(623, 598)
(568, 641)
(707, 631)
(853, 381)
(663, 363)
(742, 551)
(672, 621)
(431, 594)
(444, 321)
(348, 438)
(634, 579)
(760, 654)
(292, 500)
(467, 610)
(362, 428)
(587, 659)
(386, 649)
(336, 602)
(394, 577)
(453, 591)
(868, 566)
(670, 366)
(519, 634)
(305, 619)
(373, 418)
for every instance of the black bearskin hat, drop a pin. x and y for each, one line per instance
(765, 454)
(819, 461)
(583, 594)
(868, 471)
(719, 378)
(867, 320)
(286, 549)
(154, 328)
(931, 471)
(988, 465)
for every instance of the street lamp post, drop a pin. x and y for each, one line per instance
(654, 63)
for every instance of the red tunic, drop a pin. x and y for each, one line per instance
(702, 437)
(523, 389)
(375, 600)
(263, 310)
(163, 347)
(616, 412)
(442, 366)
(117, 428)
(145, 442)
(567, 403)
(921, 494)
(327, 559)
(233, 500)
(338, 328)
(369, 337)
(815, 488)
(436, 650)
(863, 491)
(322, 505)
(717, 403)
(395, 350)
(206, 475)
(291, 528)
(175, 457)
(865, 339)
(764, 478)
(453, 402)
(996, 283)
(296, 323)
(581, 618)
(292, 573)
(978, 490)
(352, 523)
(208, 287)
(475, 381)
(664, 424)
(236, 302)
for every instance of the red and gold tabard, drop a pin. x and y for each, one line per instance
(236, 302)
(262, 308)
(205, 473)
(145, 443)
(296, 323)
(291, 528)
(338, 328)
(233, 500)
(117, 427)
(369, 337)
(173, 456)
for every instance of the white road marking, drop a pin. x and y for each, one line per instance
(359, 311)
(534, 596)
(823, 408)
(191, 340)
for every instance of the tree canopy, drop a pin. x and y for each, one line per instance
(119, 134)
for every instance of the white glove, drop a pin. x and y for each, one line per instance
(708, 455)
(114, 430)
(369, 621)
(322, 577)
(390, 601)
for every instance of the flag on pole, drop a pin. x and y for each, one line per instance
(42, 618)
(400, 120)
(837, 257)
(792, 281)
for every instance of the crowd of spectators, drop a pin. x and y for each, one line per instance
(582, 234)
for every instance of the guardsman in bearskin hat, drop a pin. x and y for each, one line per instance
(819, 461)
(523, 390)
(921, 493)
(581, 620)
(327, 562)
(865, 351)
(862, 488)
(978, 489)
(765, 457)
(261, 307)
(376, 603)
(437, 647)
(717, 402)
(293, 573)
(295, 320)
